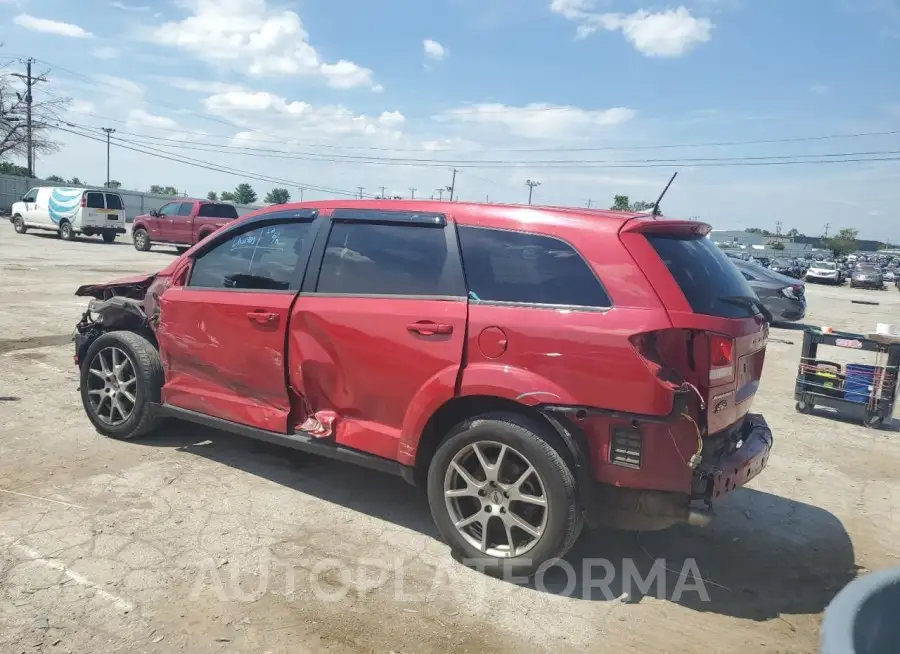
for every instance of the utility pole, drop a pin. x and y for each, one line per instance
(531, 183)
(108, 130)
(452, 186)
(589, 203)
(412, 192)
(440, 192)
(382, 192)
(29, 83)
(827, 225)
(360, 191)
(301, 194)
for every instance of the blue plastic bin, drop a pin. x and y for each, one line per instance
(859, 378)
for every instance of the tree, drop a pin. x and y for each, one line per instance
(163, 190)
(844, 243)
(278, 196)
(8, 168)
(13, 141)
(75, 182)
(620, 203)
(55, 178)
(243, 194)
(213, 196)
(642, 205)
(113, 183)
(793, 232)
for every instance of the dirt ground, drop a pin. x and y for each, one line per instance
(196, 540)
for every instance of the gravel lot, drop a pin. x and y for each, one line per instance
(200, 541)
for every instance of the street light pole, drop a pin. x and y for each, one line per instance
(531, 183)
(108, 130)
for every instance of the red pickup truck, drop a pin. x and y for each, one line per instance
(180, 223)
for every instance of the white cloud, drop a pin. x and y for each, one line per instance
(82, 107)
(539, 120)
(127, 7)
(199, 85)
(105, 52)
(434, 50)
(253, 38)
(51, 26)
(669, 33)
(119, 85)
(819, 89)
(141, 118)
(299, 119)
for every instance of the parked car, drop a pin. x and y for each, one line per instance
(824, 272)
(70, 211)
(867, 276)
(785, 267)
(549, 385)
(784, 297)
(181, 223)
(889, 276)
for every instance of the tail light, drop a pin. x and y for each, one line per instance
(794, 292)
(84, 199)
(721, 358)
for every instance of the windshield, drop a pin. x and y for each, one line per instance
(781, 263)
(825, 265)
(705, 275)
(868, 269)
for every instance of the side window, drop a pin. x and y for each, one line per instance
(114, 201)
(95, 201)
(265, 258)
(373, 259)
(505, 266)
(31, 196)
(186, 208)
(169, 209)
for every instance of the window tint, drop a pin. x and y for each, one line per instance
(504, 266)
(217, 211)
(95, 201)
(31, 196)
(704, 274)
(186, 208)
(265, 258)
(169, 209)
(371, 259)
(114, 201)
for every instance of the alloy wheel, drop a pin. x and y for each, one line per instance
(140, 240)
(112, 385)
(496, 499)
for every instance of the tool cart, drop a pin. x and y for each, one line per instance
(858, 391)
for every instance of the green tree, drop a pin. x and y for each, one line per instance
(227, 196)
(243, 194)
(75, 182)
(163, 190)
(278, 196)
(113, 183)
(844, 243)
(620, 203)
(8, 168)
(213, 196)
(55, 178)
(794, 232)
(642, 205)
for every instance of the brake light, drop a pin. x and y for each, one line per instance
(84, 199)
(721, 358)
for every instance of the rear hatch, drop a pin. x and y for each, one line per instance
(719, 335)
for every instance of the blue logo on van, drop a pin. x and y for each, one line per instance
(64, 203)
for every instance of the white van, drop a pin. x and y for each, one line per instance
(70, 211)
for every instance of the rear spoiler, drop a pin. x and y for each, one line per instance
(647, 225)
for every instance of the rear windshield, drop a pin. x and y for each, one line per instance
(114, 201)
(217, 211)
(705, 275)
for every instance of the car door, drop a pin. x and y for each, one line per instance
(380, 326)
(30, 200)
(222, 331)
(93, 212)
(164, 219)
(179, 224)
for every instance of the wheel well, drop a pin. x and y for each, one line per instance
(461, 408)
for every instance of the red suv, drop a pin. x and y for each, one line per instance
(532, 368)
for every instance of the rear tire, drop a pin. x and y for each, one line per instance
(542, 526)
(66, 232)
(141, 240)
(109, 237)
(121, 382)
(804, 407)
(19, 225)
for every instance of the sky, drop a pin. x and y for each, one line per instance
(590, 98)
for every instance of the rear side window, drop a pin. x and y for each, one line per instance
(95, 201)
(372, 259)
(505, 266)
(217, 211)
(265, 258)
(114, 201)
(704, 274)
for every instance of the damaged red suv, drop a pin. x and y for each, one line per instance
(533, 369)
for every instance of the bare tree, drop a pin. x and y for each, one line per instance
(13, 111)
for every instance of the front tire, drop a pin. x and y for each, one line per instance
(66, 232)
(502, 494)
(19, 225)
(121, 381)
(141, 240)
(109, 237)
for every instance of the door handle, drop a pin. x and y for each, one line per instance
(263, 317)
(429, 328)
